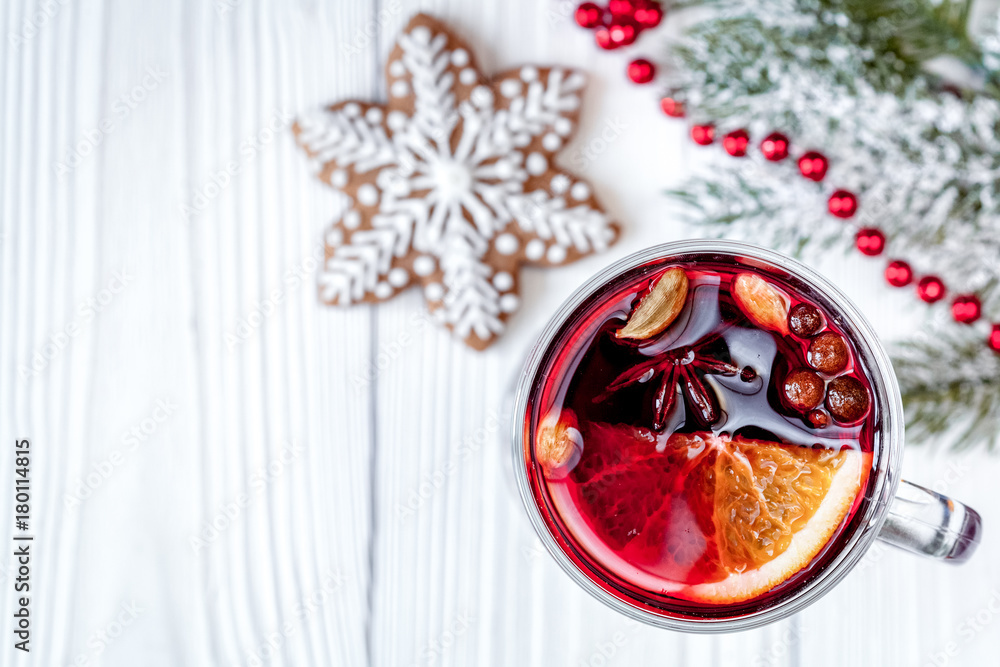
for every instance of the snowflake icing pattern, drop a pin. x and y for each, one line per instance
(453, 184)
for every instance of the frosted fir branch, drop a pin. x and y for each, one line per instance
(851, 79)
(926, 165)
(888, 43)
(754, 203)
(950, 382)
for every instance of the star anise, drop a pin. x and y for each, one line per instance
(682, 368)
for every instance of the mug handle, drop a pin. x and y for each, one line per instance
(925, 522)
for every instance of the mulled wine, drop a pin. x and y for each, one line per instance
(701, 433)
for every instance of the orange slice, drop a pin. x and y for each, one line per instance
(703, 517)
(776, 507)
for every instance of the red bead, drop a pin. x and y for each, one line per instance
(898, 273)
(931, 289)
(736, 142)
(813, 166)
(672, 107)
(703, 135)
(588, 15)
(622, 34)
(966, 308)
(603, 38)
(775, 147)
(622, 8)
(843, 204)
(648, 14)
(870, 241)
(641, 71)
(994, 339)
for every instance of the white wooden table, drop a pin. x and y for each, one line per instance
(221, 465)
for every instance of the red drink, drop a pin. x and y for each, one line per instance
(703, 433)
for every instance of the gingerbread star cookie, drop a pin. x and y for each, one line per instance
(452, 183)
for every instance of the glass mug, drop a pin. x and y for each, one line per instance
(903, 514)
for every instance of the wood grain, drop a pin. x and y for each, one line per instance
(353, 462)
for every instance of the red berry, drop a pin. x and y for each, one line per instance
(671, 107)
(966, 308)
(898, 273)
(622, 8)
(994, 339)
(819, 419)
(641, 71)
(931, 289)
(775, 147)
(649, 14)
(703, 135)
(847, 399)
(870, 241)
(813, 166)
(622, 34)
(843, 204)
(736, 142)
(588, 15)
(603, 38)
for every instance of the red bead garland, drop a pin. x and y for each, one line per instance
(898, 273)
(621, 24)
(622, 34)
(843, 204)
(603, 38)
(622, 8)
(671, 107)
(736, 143)
(870, 241)
(649, 14)
(703, 135)
(813, 165)
(966, 308)
(994, 339)
(588, 15)
(931, 289)
(775, 147)
(641, 71)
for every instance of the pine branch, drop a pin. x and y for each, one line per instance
(895, 38)
(926, 166)
(950, 382)
(850, 78)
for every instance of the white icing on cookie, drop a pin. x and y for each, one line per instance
(503, 281)
(551, 142)
(536, 164)
(434, 292)
(443, 182)
(556, 254)
(560, 183)
(338, 178)
(368, 195)
(424, 265)
(398, 277)
(507, 244)
(535, 250)
(399, 88)
(509, 303)
(510, 88)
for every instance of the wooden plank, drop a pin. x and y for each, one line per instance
(381, 523)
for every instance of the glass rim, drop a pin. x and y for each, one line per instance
(884, 386)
